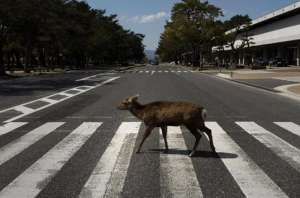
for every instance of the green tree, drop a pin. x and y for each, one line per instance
(49, 33)
(192, 25)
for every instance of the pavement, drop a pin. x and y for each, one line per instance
(72, 141)
(285, 80)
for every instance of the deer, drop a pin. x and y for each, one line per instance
(166, 113)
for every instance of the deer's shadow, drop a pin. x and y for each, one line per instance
(200, 154)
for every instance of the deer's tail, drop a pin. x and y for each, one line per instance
(204, 114)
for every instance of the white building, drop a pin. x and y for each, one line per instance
(275, 35)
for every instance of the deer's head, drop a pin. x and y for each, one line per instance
(128, 103)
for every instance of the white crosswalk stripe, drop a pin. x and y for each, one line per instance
(177, 175)
(105, 181)
(28, 183)
(10, 150)
(10, 127)
(251, 179)
(156, 71)
(290, 126)
(280, 147)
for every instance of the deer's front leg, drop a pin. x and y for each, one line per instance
(146, 134)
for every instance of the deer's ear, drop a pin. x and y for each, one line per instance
(134, 98)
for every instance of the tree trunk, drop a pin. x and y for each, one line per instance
(2, 67)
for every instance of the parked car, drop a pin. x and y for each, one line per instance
(154, 62)
(259, 63)
(278, 62)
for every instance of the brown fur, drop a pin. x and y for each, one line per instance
(163, 113)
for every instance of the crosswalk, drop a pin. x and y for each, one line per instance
(152, 72)
(178, 177)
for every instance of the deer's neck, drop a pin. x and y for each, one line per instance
(138, 110)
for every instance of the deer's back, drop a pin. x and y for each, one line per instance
(171, 113)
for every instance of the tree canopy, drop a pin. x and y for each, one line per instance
(194, 28)
(190, 30)
(63, 32)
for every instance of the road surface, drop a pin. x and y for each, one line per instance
(62, 136)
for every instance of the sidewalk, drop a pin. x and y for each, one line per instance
(285, 80)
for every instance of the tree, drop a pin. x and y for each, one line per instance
(192, 28)
(49, 33)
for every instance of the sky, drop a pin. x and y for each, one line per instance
(148, 17)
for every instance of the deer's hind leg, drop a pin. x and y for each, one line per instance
(197, 136)
(208, 132)
(164, 130)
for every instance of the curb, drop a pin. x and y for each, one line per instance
(226, 77)
(256, 86)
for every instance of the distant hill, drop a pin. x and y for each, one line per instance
(150, 54)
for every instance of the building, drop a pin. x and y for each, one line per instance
(275, 36)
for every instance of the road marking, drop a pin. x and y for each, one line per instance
(108, 176)
(94, 76)
(48, 100)
(87, 78)
(37, 176)
(152, 73)
(280, 147)
(66, 94)
(147, 72)
(27, 111)
(179, 71)
(23, 109)
(10, 127)
(166, 71)
(17, 146)
(251, 179)
(289, 126)
(177, 175)
(185, 71)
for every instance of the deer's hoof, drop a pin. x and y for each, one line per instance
(192, 154)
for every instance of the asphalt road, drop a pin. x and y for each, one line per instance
(83, 146)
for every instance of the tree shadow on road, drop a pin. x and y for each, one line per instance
(200, 154)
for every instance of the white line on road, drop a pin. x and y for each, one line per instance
(280, 147)
(66, 94)
(251, 179)
(27, 111)
(10, 127)
(24, 110)
(289, 126)
(108, 167)
(177, 174)
(87, 78)
(48, 100)
(17, 146)
(28, 184)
